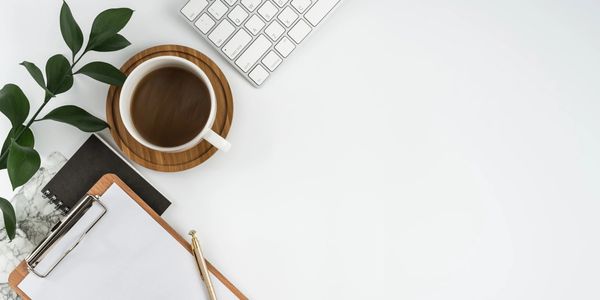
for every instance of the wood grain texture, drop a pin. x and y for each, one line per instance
(17, 275)
(171, 162)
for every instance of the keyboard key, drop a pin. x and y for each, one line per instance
(237, 43)
(268, 10)
(299, 31)
(253, 53)
(287, 16)
(285, 46)
(251, 4)
(255, 24)
(238, 15)
(259, 74)
(319, 11)
(221, 33)
(205, 23)
(217, 9)
(256, 36)
(272, 60)
(274, 30)
(281, 3)
(301, 5)
(193, 8)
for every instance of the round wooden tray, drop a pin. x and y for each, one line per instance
(171, 162)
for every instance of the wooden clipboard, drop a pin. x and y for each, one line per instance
(19, 273)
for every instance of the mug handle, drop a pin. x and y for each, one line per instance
(218, 141)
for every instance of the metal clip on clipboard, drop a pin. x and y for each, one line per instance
(57, 233)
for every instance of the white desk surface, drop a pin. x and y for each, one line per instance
(409, 150)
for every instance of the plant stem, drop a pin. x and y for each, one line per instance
(33, 118)
(25, 128)
(77, 60)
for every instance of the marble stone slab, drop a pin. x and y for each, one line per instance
(35, 217)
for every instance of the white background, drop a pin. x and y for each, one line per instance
(409, 150)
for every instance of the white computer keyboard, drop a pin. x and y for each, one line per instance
(256, 36)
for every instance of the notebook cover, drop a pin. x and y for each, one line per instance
(94, 159)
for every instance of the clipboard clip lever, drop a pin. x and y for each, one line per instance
(58, 232)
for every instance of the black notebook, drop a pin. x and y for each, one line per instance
(94, 159)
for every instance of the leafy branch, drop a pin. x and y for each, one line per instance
(18, 155)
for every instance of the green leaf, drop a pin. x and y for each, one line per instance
(35, 72)
(37, 75)
(103, 72)
(14, 104)
(77, 117)
(58, 74)
(70, 30)
(23, 162)
(116, 42)
(10, 219)
(26, 139)
(106, 25)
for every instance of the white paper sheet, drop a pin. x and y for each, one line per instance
(126, 255)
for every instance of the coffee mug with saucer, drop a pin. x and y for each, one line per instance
(127, 95)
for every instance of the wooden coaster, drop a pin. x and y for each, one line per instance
(171, 162)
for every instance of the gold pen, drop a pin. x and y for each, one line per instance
(202, 265)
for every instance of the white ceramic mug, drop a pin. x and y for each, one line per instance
(160, 62)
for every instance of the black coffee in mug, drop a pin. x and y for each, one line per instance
(170, 106)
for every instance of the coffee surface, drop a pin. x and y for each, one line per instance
(170, 106)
